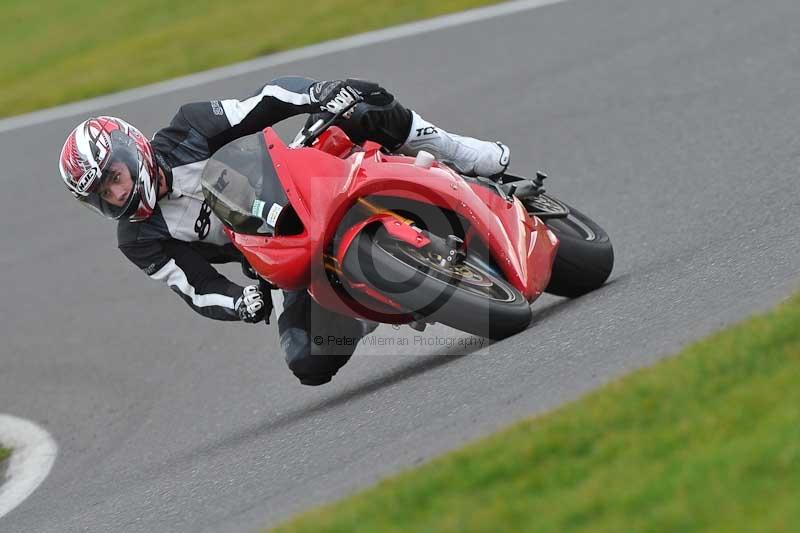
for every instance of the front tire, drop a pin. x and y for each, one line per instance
(468, 297)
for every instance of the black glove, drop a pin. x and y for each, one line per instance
(252, 307)
(333, 96)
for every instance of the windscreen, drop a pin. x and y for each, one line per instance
(242, 188)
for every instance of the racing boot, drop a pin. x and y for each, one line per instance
(469, 156)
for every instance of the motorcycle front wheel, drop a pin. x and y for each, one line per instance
(468, 296)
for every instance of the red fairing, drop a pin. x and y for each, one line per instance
(322, 187)
(529, 238)
(316, 185)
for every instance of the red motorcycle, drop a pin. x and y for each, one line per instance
(400, 240)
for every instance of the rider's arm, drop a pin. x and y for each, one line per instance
(200, 128)
(188, 274)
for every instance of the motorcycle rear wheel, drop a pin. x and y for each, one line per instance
(469, 297)
(585, 256)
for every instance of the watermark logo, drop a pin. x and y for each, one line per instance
(424, 343)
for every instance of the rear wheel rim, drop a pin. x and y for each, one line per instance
(574, 226)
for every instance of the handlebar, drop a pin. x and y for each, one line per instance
(306, 137)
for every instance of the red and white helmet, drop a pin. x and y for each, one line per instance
(88, 153)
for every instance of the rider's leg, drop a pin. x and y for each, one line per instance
(384, 120)
(468, 155)
(316, 342)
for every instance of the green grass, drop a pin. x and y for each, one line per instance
(5, 453)
(705, 441)
(54, 52)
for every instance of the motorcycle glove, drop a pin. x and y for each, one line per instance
(333, 96)
(252, 306)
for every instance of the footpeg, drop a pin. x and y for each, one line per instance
(523, 188)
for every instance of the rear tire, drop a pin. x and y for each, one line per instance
(585, 256)
(468, 297)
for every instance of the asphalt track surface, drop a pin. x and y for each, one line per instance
(675, 124)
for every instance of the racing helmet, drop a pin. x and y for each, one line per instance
(88, 153)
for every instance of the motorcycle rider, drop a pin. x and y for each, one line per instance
(166, 228)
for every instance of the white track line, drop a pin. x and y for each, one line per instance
(281, 58)
(34, 452)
